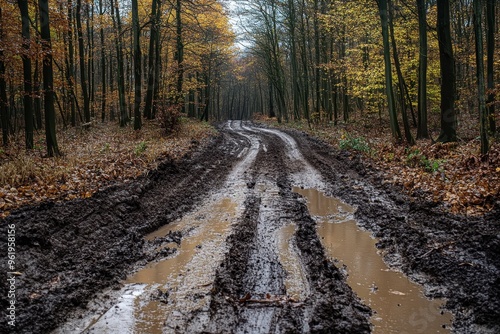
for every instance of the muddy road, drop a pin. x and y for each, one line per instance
(259, 231)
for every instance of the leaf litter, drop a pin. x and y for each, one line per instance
(92, 160)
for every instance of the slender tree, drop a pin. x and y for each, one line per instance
(483, 115)
(117, 25)
(81, 55)
(70, 64)
(422, 129)
(179, 55)
(48, 80)
(401, 80)
(25, 56)
(490, 23)
(154, 23)
(4, 109)
(137, 66)
(384, 17)
(103, 62)
(447, 61)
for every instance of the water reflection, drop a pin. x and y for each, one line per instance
(399, 304)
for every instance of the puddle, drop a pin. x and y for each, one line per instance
(184, 279)
(290, 260)
(197, 236)
(399, 304)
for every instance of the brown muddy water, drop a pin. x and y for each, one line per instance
(399, 304)
(159, 296)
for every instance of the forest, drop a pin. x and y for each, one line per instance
(429, 68)
(250, 166)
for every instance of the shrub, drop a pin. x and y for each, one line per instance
(170, 119)
(415, 158)
(348, 142)
(140, 148)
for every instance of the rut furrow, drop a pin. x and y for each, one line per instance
(253, 289)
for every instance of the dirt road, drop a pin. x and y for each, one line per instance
(228, 240)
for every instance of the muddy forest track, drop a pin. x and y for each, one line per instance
(234, 249)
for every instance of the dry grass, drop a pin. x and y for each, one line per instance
(92, 159)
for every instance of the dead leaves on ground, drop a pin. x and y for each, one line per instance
(457, 176)
(92, 160)
(454, 174)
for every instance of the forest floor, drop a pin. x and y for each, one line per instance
(91, 160)
(453, 175)
(132, 257)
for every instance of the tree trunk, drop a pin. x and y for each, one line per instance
(179, 55)
(117, 25)
(48, 80)
(70, 64)
(396, 132)
(158, 66)
(4, 109)
(483, 115)
(27, 98)
(490, 19)
(401, 82)
(90, 58)
(448, 112)
(103, 64)
(81, 55)
(37, 101)
(137, 66)
(422, 130)
(155, 12)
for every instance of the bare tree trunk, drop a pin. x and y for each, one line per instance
(48, 80)
(179, 55)
(396, 132)
(422, 130)
(124, 119)
(448, 112)
(81, 54)
(137, 66)
(490, 19)
(27, 99)
(401, 82)
(4, 109)
(70, 64)
(103, 64)
(483, 115)
(155, 16)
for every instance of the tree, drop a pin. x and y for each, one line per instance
(70, 63)
(447, 62)
(422, 130)
(117, 28)
(396, 132)
(81, 54)
(490, 23)
(137, 66)
(103, 62)
(483, 115)
(48, 80)
(27, 98)
(153, 45)
(401, 81)
(179, 55)
(4, 109)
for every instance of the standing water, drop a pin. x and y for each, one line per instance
(399, 305)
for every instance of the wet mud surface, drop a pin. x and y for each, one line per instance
(222, 242)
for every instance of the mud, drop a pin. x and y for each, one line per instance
(398, 304)
(92, 265)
